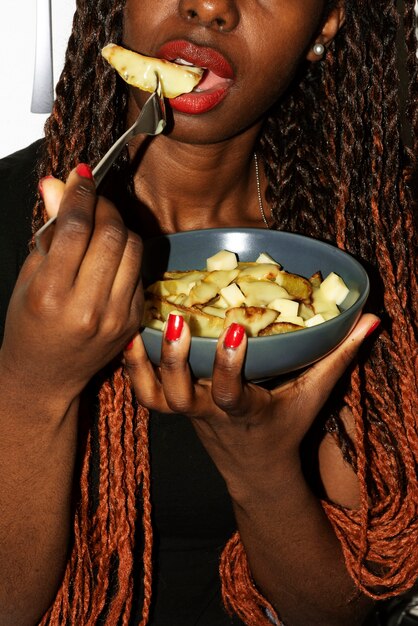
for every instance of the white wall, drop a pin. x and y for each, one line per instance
(18, 126)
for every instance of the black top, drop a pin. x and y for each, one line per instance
(17, 197)
(192, 512)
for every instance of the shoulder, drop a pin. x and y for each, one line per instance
(23, 157)
(18, 183)
(18, 180)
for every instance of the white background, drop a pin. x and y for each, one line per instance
(18, 126)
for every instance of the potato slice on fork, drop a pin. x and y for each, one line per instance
(139, 71)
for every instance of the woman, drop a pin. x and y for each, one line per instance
(310, 87)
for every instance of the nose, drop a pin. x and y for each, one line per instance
(221, 15)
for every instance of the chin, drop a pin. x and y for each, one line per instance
(206, 129)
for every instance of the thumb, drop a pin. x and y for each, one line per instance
(52, 190)
(322, 377)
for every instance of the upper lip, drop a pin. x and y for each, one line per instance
(200, 56)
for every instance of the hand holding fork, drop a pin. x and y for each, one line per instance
(150, 121)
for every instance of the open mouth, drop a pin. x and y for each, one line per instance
(209, 82)
(215, 82)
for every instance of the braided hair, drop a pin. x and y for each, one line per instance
(338, 170)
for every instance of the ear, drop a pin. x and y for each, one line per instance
(335, 19)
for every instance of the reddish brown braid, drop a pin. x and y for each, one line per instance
(334, 162)
(98, 582)
(83, 123)
(333, 157)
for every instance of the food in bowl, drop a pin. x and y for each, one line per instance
(139, 70)
(272, 355)
(259, 295)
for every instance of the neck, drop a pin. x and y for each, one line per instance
(183, 187)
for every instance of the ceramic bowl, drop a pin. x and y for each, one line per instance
(275, 355)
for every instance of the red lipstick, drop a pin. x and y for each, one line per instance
(216, 80)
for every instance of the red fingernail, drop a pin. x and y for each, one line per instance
(84, 170)
(40, 184)
(130, 345)
(174, 327)
(234, 336)
(372, 328)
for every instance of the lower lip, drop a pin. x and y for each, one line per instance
(196, 102)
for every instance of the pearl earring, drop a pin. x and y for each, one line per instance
(319, 49)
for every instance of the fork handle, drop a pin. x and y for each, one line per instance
(41, 240)
(110, 157)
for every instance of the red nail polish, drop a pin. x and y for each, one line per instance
(40, 184)
(174, 327)
(129, 346)
(234, 336)
(372, 328)
(84, 170)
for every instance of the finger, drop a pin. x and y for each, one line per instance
(73, 227)
(29, 267)
(52, 190)
(136, 310)
(176, 377)
(147, 386)
(228, 389)
(322, 377)
(103, 255)
(127, 279)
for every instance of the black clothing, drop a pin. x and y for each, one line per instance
(192, 512)
(18, 182)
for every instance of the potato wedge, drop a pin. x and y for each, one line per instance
(252, 318)
(264, 257)
(260, 292)
(278, 328)
(306, 311)
(139, 71)
(201, 324)
(221, 278)
(177, 299)
(285, 306)
(314, 320)
(222, 260)
(175, 286)
(176, 274)
(334, 288)
(155, 324)
(291, 319)
(214, 310)
(259, 271)
(299, 288)
(323, 305)
(201, 293)
(316, 279)
(232, 295)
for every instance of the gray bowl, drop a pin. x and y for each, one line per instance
(275, 355)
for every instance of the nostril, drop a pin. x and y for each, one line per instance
(221, 15)
(219, 22)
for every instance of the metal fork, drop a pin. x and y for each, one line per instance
(151, 121)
